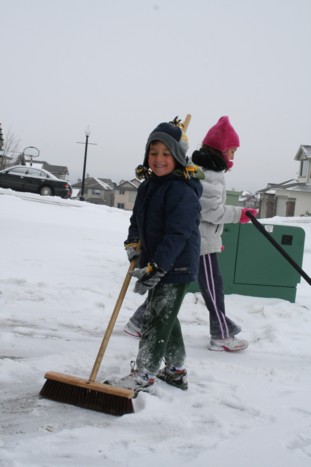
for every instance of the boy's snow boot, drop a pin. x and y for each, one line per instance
(177, 378)
(231, 344)
(131, 329)
(136, 380)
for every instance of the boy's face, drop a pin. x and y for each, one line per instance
(160, 159)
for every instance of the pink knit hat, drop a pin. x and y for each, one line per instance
(222, 135)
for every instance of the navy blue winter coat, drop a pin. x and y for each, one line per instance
(165, 219)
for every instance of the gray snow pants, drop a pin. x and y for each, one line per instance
(161, 332)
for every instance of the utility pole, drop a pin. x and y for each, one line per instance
(87, 135)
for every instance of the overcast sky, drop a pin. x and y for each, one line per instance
(123, 66)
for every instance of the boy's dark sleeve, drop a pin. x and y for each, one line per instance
(133, 234)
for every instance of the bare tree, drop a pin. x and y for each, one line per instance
(11, 152)
(1, 138)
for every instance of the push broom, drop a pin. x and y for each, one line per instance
(88, 393)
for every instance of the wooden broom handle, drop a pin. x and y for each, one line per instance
(111, 324)
(186, 122)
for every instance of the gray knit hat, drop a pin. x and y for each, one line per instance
(171, 136)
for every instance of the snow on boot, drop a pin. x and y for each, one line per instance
(231, 344)
(177, 378)
(136, 380)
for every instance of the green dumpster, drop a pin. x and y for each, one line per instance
(250, 265)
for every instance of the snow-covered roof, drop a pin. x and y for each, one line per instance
(134, 183)
(296, 186)
(303, 187)
(304, 152)
(104, 185)
(274, 186)
(96, 183)
(37, 165)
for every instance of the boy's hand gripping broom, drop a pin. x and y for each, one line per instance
(90, 394)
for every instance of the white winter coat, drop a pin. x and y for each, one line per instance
(215, 213)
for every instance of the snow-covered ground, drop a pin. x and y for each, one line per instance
(62, 264)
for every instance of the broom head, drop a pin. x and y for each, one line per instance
(100, 397)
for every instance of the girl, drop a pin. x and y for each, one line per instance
(216, 157)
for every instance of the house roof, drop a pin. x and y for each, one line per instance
(130, 184)
(303, 187)
(304, 152)
(57, 170)
(104, 184)
(273, 186)
(290, 185)
(96, 183)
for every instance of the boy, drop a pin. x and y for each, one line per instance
(165, 221)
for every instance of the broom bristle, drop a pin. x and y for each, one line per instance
(86, 398)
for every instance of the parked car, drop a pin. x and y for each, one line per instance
(26, 178)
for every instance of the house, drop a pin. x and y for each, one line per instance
(5, 160)
(125, 194)
(5, 156)
(97, 190)
(248, 200)
(292, 197)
